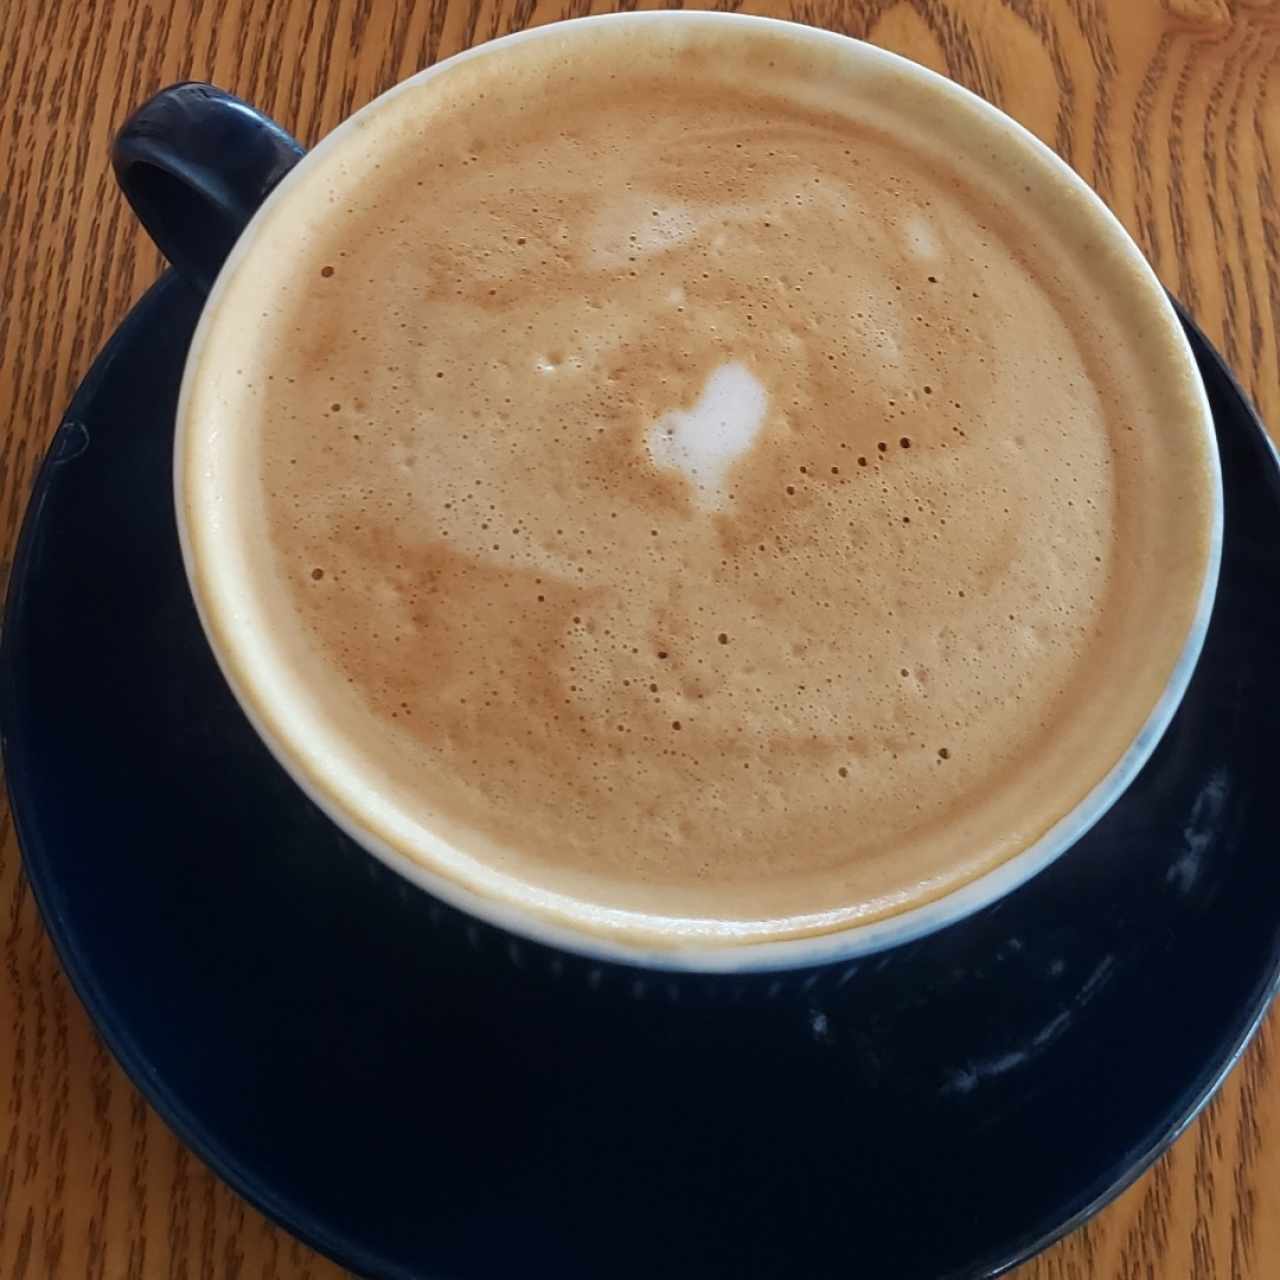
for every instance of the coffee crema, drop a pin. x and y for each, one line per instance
(692, 486)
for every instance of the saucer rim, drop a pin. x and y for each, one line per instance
(40, 860)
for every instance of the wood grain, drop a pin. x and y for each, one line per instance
(1171, 108)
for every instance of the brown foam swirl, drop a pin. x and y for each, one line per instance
(920, 610)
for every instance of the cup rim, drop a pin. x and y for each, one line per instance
(845, 943)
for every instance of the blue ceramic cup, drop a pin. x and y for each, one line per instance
(202, 169)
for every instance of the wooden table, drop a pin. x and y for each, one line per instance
(1171, 108)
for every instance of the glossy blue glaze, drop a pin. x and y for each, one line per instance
(195, 163)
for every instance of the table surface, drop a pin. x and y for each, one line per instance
(1170, 108)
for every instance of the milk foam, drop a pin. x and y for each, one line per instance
(704, 442)
(647, 480)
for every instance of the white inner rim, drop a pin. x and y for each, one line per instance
(848, 942)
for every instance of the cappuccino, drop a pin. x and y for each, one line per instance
(694, 487)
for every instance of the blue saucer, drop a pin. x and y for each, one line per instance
(416, 1095)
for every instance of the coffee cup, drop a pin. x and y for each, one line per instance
(688, 489)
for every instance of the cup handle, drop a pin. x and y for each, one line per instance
(195, 163)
